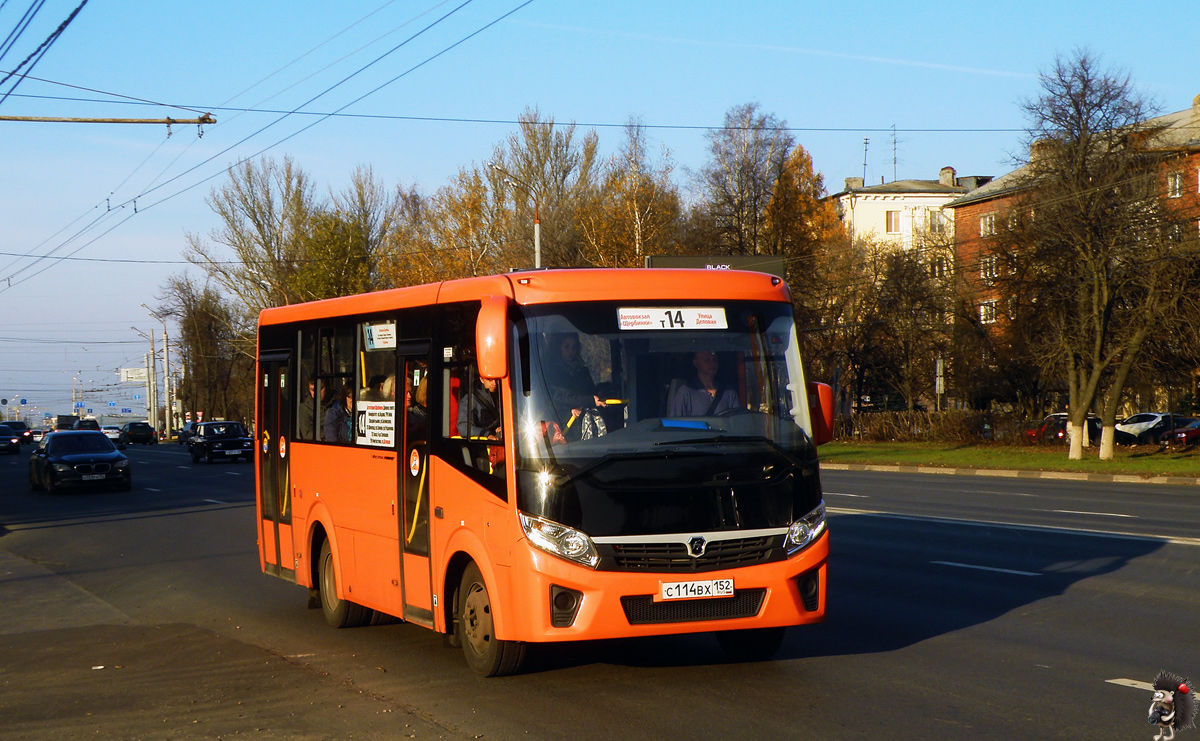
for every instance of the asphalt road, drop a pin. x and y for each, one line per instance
(144, 615)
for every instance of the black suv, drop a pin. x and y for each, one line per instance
(86, 424)
(137, 432)
(213, 440)
(188, 430)
(21, 429)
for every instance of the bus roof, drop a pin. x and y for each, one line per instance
(551, 286)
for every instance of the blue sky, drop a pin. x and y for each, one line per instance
(949, 78)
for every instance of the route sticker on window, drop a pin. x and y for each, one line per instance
(668, 317)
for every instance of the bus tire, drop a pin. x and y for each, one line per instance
(486, 655)
(339, 613)
(754, 644)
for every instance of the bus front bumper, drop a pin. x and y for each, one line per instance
(561, 601)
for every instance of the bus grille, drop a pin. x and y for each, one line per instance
(674, 557)
(643, 610)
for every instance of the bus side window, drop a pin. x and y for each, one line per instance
(472, 427)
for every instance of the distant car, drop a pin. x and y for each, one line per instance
(112, 432)
(138, 432)
(36, 434)
(21, 429)
(10, 439)
(78, 459)
(1189, 435)
(1053, 429)
(213, 440)
(86, 424)
(188, 430)
(1163, 427)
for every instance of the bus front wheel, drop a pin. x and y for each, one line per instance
(486, 655)
(340, 613)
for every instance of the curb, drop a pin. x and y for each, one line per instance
(1058, 475)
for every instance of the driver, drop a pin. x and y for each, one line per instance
(702, 395)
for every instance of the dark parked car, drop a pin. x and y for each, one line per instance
(138, 432)
(188, 430)
(1189, 435)
(86, 424)
(1053, 429)
(78, 458)
(10, 439)
(213, 440)
(21, 429)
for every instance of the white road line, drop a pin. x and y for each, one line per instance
(1098, 514)
(986, 568)
(844, 494)
(1125, 535)
(1001, 493)
(1132, 683)
(232, 473)
(215, 501)
(154, 490)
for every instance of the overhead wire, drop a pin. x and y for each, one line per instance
(133, 201)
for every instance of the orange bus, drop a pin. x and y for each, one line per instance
(547, 456)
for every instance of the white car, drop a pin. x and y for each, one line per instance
(1150, 426)
(111, 432)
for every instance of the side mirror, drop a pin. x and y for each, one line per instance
(491, 337)
(820, 411)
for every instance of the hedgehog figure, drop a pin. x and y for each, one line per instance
(1174, 705)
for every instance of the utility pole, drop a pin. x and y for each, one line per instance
(528, 190)
(169, 413)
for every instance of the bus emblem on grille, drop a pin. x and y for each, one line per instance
(696, 547)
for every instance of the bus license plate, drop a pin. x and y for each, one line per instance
(93, 476)
(695, 589)
(233, 452)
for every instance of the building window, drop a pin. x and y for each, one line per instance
(937, 221)
(987, 225)
(989, 268)
(937, 267)
(1174, 184)
(893, 222)
(987, 312)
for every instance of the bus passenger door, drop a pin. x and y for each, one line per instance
(274, 483)
(414, 472)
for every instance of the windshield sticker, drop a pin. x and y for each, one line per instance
(666, 317)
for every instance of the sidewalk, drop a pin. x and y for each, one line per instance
(1060, 475)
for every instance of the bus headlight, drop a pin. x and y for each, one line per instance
(805, 530)
(560, 540)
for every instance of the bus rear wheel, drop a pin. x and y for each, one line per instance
(486, 655)
(339, 613)
(754, 644)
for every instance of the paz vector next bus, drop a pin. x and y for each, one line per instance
(547, 456)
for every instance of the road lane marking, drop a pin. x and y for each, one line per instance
(215, 501)
(1132, 683)
(1125, 535)
(153, 490)
(1001, 493)
(844, 494)
(1079, 512)
(986, 568)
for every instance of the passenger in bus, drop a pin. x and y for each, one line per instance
(376, 390)
(338, 419)
(572, 390)
(478, 412)
(702, 395)
(306, 421)
(416, 408)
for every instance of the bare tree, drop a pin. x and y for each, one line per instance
(1093, 233)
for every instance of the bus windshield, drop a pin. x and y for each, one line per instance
(655, 397)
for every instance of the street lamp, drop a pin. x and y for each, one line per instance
(166, 370)
(537, 221)
(151, 381)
